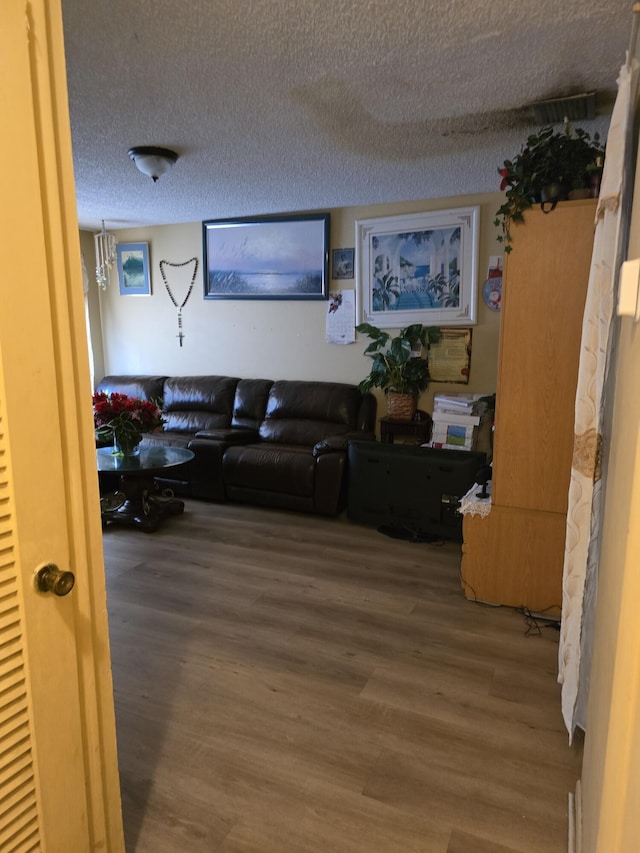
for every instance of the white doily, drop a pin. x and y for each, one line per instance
(471, 504)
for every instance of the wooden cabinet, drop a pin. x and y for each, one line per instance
(515, 555)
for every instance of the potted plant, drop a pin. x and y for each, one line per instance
(549, 166)
(399, 367)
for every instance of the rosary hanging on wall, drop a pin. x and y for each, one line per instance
(180, 306)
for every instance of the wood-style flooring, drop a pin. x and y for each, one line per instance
(286, 683)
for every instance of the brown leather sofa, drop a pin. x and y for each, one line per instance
(274, 443)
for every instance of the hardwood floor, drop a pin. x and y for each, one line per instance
(286, 683)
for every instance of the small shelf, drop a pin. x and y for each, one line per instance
(420, 430)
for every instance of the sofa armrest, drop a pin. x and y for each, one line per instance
(206, 469)
(340, 443)
(230, 435)
(329, 495)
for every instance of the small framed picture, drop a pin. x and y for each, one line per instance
(342, 263)
(133, 269)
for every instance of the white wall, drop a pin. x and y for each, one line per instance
(271, 339)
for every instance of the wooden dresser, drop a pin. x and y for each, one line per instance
(515, 555)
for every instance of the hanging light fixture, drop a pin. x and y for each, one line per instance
(105, 244)
(152, 161)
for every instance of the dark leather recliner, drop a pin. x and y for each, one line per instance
(292, 465)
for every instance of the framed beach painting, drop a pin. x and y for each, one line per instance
(418, 268)
(133, 269)
(268, 257)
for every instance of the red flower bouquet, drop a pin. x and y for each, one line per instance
(125, 418)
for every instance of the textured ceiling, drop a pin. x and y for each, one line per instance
(287, 105)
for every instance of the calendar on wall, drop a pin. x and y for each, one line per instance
(341, 317)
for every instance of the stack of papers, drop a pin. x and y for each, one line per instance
(459, 404)
(456, 418)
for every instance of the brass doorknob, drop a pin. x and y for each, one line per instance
(51, 579)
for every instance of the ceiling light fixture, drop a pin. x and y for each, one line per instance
(152, 161)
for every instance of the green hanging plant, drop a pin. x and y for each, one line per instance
(564, 158)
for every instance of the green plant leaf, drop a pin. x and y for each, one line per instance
(397, 367)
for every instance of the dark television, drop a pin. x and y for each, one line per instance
(410, 492)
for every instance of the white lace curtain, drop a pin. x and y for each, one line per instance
(588, 474)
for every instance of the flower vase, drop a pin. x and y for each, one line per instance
(126, 446)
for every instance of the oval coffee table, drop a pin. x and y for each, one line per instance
(138, 502)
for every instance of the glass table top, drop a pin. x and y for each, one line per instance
(151, 458)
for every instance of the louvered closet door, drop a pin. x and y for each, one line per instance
(19, 827)
(58, 769)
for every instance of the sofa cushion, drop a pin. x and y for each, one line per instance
(143, 387)
(250, 402)
(272, 467)
(308, 412)
(193, 403)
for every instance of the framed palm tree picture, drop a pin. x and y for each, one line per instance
(418, 268)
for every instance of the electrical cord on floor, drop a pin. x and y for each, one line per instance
(536, 622)
(468, 586)
(474, 599)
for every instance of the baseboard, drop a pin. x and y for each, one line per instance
(575, 820)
